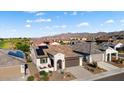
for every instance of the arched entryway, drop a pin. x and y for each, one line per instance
(59, 64)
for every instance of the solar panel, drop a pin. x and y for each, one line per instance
(40, 52)
(43, 47)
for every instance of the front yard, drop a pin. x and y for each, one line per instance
(93, 68)
(52, 76)
(118, 63)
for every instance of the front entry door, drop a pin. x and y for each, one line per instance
(59, 64)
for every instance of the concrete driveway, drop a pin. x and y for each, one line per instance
(79, 72)
(107, 66)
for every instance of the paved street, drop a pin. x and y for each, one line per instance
(117, 77)
(79, 72)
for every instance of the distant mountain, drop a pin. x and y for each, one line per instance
(116, 34)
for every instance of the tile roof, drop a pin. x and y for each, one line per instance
(54, 49)
(86, 48)
(64, 49)
(105, 45)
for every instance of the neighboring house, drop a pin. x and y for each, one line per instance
(89, 52)
(113, 45)
(10, 67)
(55, 43)
(54, 57)
(109, 51)
(118, 46)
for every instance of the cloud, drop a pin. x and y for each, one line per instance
(122, 21)
(39, 13)
(109, 21)
(42, 20)
(13, 30)
(65, 13)
(101, 24)
(28, 25)
(29, 21)
(60, 26)
(31, 12)
(39, 20)
(83, 24)
(74, 13)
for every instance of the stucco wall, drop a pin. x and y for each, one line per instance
(97, 57)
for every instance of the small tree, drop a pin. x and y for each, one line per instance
(61, 42)
(94, 64)
(30, 78)
(23, 47)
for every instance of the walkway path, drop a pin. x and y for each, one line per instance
(107, 66)
(33, 69)
(79, 72)
(106, 74)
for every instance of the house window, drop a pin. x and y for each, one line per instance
(43, 60)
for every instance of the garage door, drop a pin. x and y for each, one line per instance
(71, 61)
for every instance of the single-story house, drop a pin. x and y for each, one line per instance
(10, 67)
(54, 57)
(116, 46)
(109, 51)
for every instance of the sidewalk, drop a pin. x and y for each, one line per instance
(33, 69)
(107, 66)
(103, 75)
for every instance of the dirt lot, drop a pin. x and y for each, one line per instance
(11, 72)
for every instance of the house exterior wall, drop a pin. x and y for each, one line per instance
(59, 56)
(119, 45)
(39, 64)
(97, 57)
(110, 51)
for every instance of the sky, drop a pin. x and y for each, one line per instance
(47, 23)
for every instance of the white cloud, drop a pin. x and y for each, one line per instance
(60, 26)
(29, 21)
(101, 24)
(28, 25)
(39, 20)
(122, 21)
(42, 20)
(74, 13)
(39, 13)
(83, 24)
(13, 30)
(31, 12)
(109, 21)
(65, 13)
(48, 27)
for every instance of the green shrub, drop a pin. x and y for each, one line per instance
(43, 73)
(95, 64)
(30, 78)
(45, 78)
